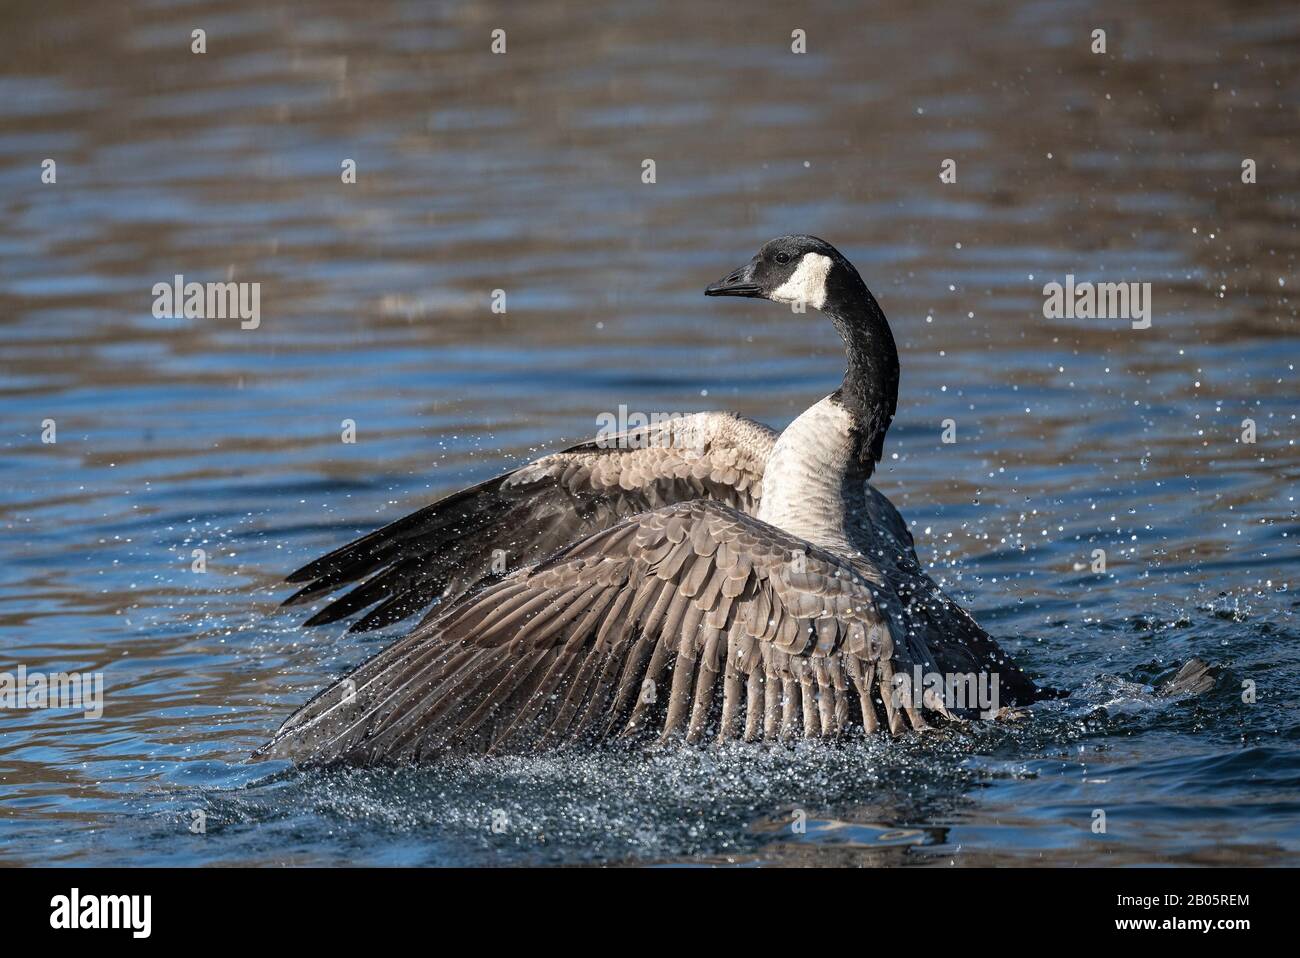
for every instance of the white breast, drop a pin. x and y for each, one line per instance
(806, 481)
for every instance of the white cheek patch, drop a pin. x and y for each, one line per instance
(807, 284)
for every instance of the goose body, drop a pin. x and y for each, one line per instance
(702, 577)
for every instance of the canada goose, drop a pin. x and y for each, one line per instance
(653, 569)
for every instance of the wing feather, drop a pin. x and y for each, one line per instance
(613, 634)
(629, 631)
(459, 543)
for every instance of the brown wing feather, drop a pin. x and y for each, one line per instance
(447, 549)
(615, 643)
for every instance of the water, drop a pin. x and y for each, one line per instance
(523, 173)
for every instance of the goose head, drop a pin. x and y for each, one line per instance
(794, 269)
(808, 271)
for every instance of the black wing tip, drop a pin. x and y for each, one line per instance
(337, 561)
(386, 613)
(331, 613)
(381, 616)
(299, 597)
(331, 562)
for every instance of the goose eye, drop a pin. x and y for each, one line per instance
(783, 257)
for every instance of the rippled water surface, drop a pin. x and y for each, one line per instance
(522, 172)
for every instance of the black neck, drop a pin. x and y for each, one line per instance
(870, 388)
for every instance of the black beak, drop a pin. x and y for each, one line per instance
(737, 283)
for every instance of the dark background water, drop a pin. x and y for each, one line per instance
(523, 172)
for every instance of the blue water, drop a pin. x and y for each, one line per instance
(523, 172)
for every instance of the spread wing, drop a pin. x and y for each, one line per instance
(694, 618)
(476, 535)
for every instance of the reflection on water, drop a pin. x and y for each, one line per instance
(522, 173)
